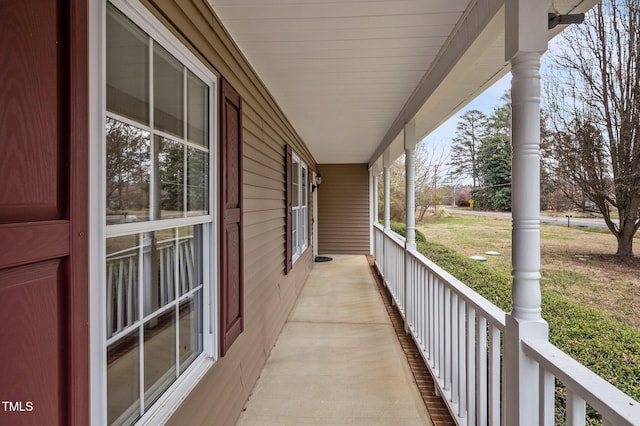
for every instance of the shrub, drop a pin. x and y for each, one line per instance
(401, 229)
(492, 285)
(462, 202)
(463, 197)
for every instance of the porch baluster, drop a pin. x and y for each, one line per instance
(471, 366)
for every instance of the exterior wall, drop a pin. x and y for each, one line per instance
(269, 294)
(343, 209)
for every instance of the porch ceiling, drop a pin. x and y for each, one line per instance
(349, 73)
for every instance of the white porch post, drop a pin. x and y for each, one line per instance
(373, 193)
(410, 199)
(386, 164)
(410, 181)
(526, 40)
(386, 262)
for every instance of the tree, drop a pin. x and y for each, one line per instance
(171, 176)
(398, 197)
(463, 197)
(494, 161)
(430, 172)
(551, 196)
(464, 150)
(431, 169)
(128, 167)
(595, 110)
(495, 168)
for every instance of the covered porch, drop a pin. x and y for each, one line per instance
(338, 359)
(490, 367)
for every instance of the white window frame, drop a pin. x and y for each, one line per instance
(167, 404)
(300, 213)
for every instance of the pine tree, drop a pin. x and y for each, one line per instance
(464, 150)
(494, 160)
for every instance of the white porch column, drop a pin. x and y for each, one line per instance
(410, 181)
(410, 200)
(526, 40)
(386, 164)
(386, 261)
(373, 193)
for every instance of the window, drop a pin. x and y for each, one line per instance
(158, 215)
(299, 206)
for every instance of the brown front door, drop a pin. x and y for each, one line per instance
(231, 263)
(43, 213)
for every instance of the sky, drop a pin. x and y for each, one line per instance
(485, 103)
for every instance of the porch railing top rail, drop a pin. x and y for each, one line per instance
(397, 238)
(614, 405)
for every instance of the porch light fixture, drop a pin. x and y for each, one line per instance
(318, 181)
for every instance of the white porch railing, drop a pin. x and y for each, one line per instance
(583, 387)
(460, 334)
(394, 268)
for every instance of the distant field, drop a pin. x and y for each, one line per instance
(575, 261)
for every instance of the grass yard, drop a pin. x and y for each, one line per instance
(576, 262)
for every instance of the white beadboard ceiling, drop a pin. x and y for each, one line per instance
(349, 73)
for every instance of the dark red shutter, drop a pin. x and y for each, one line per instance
(44, 339)
(288, 246)
(310, 205)
(231, 247)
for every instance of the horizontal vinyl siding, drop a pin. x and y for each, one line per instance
(269, 293)
(343, 209)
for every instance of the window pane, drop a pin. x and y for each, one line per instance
(123, 395)
(303, 183)
(197, 182)
(190, 264)
(168, 92)
(190, 331)
(122, 282)
(171, 175)
(197, 110)
(304, 230)
(159, 269)
(128, 173)
(127, 67)
(296, 183)
(159, 355)
(295, 238)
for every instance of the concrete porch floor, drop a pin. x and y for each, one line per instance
(338, 360)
